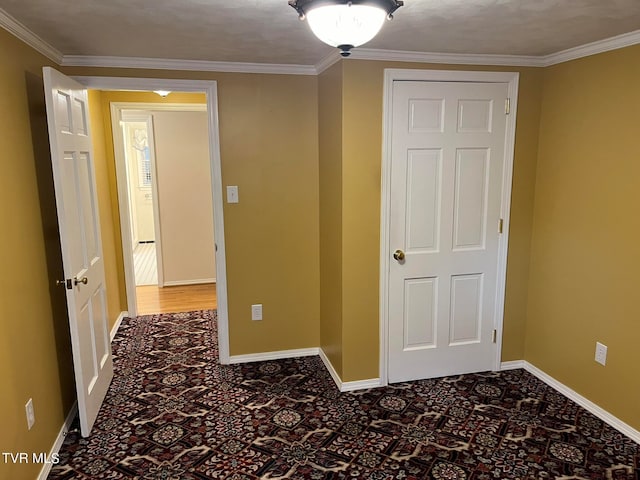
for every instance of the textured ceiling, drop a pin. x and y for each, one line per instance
(268, 31)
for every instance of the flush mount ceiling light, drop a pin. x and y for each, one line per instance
(345, 24)
(162, 93)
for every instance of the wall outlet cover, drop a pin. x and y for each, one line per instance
(601, 353)
(31, 416)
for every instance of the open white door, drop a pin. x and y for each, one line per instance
(79, 226)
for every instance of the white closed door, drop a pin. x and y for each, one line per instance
(447, 158)
(77, 207)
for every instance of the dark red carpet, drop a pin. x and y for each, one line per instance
(174, 413)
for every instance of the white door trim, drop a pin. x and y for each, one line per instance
(119, 114)
(211, 91)
(390, 76)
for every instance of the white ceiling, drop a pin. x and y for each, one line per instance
(268, 31)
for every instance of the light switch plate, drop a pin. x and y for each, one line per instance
(232, 194)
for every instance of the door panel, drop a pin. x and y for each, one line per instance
(78, 219)
(469, 208)
(447, 156)
(466, 300)
(420, 312)
(86, 205)
(426, 115)
(474, 116)
(423, 199)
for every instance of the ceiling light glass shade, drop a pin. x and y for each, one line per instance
(345, 23)
(162, 93)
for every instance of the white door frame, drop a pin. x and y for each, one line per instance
(124, 201)
(124, 189)
(211, 91)
(390, 76)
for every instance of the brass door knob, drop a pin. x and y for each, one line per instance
(398, 255)
(83, 280)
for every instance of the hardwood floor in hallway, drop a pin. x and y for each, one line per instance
(185, 298)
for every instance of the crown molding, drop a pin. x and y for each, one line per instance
(593, 48)
(601, 46)
(18, 30)
(144, 84)
(190, 65)
(446, 58)
(331, 59)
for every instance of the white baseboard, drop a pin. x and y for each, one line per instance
(198, 281)
(46, 468)
(585, 403)
(513, 365)
(332, 371)
(347, 386)
(116, 326)
(308, 352)
(360, 385)
(277, 355)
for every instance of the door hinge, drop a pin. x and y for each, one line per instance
(65, 283)
(494, 336)
(507, 106)
(500, 225)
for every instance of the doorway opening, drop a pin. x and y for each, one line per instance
(139, 157)
(209, 110)
(165, 157)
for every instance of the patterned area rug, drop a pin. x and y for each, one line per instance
(174, 413)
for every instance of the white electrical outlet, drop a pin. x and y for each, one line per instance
(256, 311)
(601, 353)
(31, 416)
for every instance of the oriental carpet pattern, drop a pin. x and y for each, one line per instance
(174, 413)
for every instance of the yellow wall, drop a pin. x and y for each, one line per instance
(110, 237)
(585, 255)
(361, 161)
(269, 148)
(521, 219)
(35, 358)
(330, 164)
